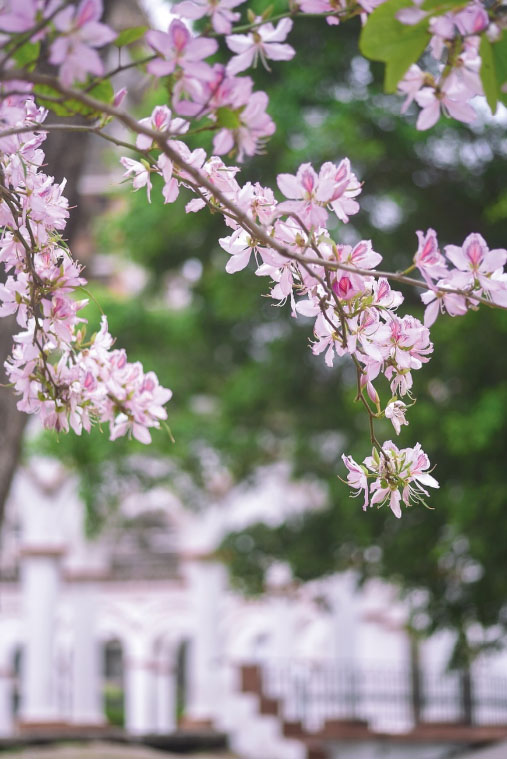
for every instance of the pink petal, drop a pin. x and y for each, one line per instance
(429, 116)
(239, 43)
(431, 313)
(289, 186)
(278, 52)
(189, 9)
(159, 41)
(240, 62)
(239, 262)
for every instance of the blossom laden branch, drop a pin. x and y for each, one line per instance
(72, 380)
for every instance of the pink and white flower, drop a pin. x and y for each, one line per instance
(80, 32)
(264, 42)
(222, 17)
(178, 47)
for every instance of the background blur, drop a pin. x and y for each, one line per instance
(226, 580)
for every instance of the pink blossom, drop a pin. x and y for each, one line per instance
(356, 478)
(361, 255)
(141, 174)
(21, 15)
(171, 187)
(15, 295)
(412, 15)
(473, 19)
(397, 470)
(395, 411)
(452, 100)
(160, 121)
(80, 32)
(222, 17)
(258, 201)
(428, 258)
(239, 246)
(438, 300)
(345, 187)
(384, 296)
(475, 257)
(411, 84)
(254, 126)
(177, 47)
(263, 42)
(334, 186)
(324, 6)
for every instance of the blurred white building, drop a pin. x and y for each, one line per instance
(141, 628)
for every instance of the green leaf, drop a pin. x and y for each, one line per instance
(227, 118)
(499, 51)
(488, 73)
(102, 91)
(27, 53)
(397, 66)
(442, 6)
(42, 89)
(128, 36)
(384, 38)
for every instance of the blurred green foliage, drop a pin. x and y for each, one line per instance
(247, 391)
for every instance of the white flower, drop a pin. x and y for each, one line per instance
(395, 411)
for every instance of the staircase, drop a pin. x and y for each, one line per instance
(290, 720)
(311, 744)
(254, 729)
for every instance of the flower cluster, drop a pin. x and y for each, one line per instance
(73, 380)
(475, 271)
(200, 90)
(355, 312)
(74, 34)
(454, 46)
(65, 377)
(392, 470)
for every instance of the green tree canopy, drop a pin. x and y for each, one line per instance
(247, 391)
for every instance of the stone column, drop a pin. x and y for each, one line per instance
(87, 707)
(40, 585)
(207, 580)
(165, 698)
(344, 619)
(6, 693)
(345, 628)
(140, 713)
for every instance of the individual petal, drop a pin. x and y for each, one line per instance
(161, 68)
(431, 313)
(279, 52)
(495, 259)
(223, 141)
(428, 480)
(394, 503)
(289, 186)
(460, 111)
(199, 48)
(190, 9)
(239, 43)
(238, 262)
(279, 33)
(429, 116)
(456, 256)
(241, 62)
(159, 41)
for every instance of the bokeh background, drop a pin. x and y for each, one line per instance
(253, 405)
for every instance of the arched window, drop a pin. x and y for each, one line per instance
(113, 683)
(181, 680)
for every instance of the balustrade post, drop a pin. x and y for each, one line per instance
(467, 700)
(416, 684)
